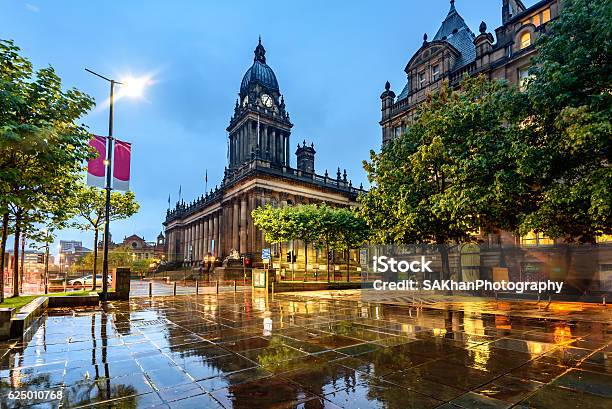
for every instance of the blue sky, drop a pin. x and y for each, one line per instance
(331, 60)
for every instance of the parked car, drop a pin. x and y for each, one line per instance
(87, 281)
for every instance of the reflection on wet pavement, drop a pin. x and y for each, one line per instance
(213, 351)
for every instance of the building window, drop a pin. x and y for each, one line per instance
(435, 72)
(604, 238)
(525, 40)
(542, 17)
(421, 79)
(523, 77)
(536, 239)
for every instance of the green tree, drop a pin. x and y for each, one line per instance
(90, 207)
(352, 232)
(304, 223)
(317, 224)
(274, 223)
(566, 154)
(452, 172)
(42, 148)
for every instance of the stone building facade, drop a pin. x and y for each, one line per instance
(259, 172)
(456, 51)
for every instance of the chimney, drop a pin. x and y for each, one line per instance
(306, 157)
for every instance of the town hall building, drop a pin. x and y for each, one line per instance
(260, 172)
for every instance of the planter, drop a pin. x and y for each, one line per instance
(6, 314)
(28, 314)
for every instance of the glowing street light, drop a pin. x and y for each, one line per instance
(134, 87)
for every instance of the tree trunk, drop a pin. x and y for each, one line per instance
(23, 240)
(348, 264)
(95, 259)
(280, 259)
(445, 272)
(5, 220)
(293, 254)
(17, 236)
(327, 258)
(46, 268)
(305, 260)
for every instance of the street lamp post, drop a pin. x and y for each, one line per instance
(108, 162)
(134, 88)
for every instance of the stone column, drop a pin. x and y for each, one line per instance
(186, 243)
(221, 235)
(264, 141)
(197, 241)
(202, 240)
(287, 148)
(216, 233)
(205, 237)
(191, 237)
(168, 245)
(243, 224)
(251, 226)
(235, 221)
(244, 142)
(210, 234)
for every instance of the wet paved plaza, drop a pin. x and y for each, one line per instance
(239, 350)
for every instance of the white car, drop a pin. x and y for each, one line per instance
(87, 281)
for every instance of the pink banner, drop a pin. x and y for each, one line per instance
(121, 165)
(95, 167)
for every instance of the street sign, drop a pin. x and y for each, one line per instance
(265, 255)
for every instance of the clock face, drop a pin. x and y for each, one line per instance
(245, 101)
(266, 100)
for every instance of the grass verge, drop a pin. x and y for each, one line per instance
(18, 302)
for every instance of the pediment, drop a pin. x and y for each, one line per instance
(428, 51)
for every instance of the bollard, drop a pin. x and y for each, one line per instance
(174, 289)
(217, 285)
(150, 289)
(604, 299)
(197, 287)
(234, 285)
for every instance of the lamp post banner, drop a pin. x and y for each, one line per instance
(95, 167)
(121, 166)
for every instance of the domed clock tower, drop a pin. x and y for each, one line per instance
(219, 224)
(260, 127)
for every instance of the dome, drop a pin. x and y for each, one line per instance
(259, 72)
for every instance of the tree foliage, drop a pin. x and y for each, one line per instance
(42, 148)
(90, 209)
(450, 173)
(567, 154)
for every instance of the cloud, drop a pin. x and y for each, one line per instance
(32, 8)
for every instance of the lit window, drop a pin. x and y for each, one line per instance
(523, 76)
(435, 71)
(536, 239)
(546, 16)
(525, 40)
(421, 79)
(604, 238)
(536, 20)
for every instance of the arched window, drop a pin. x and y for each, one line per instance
(525, 40)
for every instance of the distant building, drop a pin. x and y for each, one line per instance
(70, 252)
(33, 260)
(140, 248)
